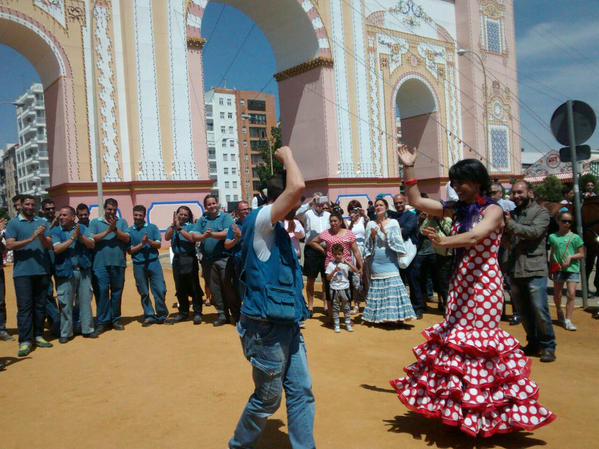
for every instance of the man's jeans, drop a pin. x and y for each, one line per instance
(530, 294)
(278, 356)
(221, 292)
(75, 291)
(111, 281)
(149, 276)
(2, 300)
(52, 311)
(32, 296)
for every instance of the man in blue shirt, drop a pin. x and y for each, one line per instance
(112, 240)
(48, 211)
(73, 245)
(233, 269)
(273, 306)
(144, 246)
(31, 273)
(4, 335)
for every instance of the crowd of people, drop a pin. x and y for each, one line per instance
(382, 262)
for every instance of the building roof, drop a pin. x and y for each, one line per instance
(550, 164)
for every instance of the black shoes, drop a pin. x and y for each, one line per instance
(147, 322)
(547, 356)
(596, 315)
(92, 335)
(179, 317)
(197, 319)
(118, 326)
(221, 321)
(63, 340)
(515, 320)
(5, 336)
(531, 351)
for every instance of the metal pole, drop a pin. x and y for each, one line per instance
(578, 210)
(99, 186)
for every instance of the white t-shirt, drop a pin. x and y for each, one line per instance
(359, 230)
(298, 229)
(264, 233)
(316, 224)
(341, 279)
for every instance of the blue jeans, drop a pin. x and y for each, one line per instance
(279, 361)
(530, 294)
(52, 311)
(32, 296)
(2, 300)
(150, 276)
(111, 281)
(75, 291)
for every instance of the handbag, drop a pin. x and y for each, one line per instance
(408, 257)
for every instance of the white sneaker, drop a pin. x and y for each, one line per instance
(337, 328)
(569, 325)
(348, 327)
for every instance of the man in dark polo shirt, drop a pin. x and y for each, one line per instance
(73, 245)
(25, 236)
(145, 243)
(48, 211)
(112, 240)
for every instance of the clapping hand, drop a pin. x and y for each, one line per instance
(145, 240)
(112, 224)
(406, 156)
(374, 232)
(39, 231)
(76, 233)
(236, 232)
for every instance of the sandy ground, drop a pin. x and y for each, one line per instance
(184, 387)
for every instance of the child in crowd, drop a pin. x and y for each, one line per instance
(567, 249)
(337, 272)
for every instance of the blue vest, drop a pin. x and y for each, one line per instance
(281, 270)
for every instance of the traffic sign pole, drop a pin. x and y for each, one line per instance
(578, 210)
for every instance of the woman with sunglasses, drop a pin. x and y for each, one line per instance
(470, 373)
(567, 250)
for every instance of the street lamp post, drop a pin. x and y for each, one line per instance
(99, 185)
(462, 52)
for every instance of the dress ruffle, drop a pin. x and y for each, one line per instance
(474, 379)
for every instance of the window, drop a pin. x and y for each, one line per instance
(222, 115)
(221, 101)
(212, 166)
(230, 130)
(226, 171)
(209, 125)
(242, 102)
(223, 129)
(234, 171)
(227, 184)
(245, 144)
(258, 132)
(247, 171)
(211, 152)
(257, 145)
(230, 115)
(228, 198)
(257, 105)
(493, 35)
(500, 147)
(229, 102)
(235, 197)
(258, 119)
(231, 143)
(234, 184)
(244, 130)
(225, 157)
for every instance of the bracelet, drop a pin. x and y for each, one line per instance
(410, 182)
(408, 166)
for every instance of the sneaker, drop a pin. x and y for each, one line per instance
(515, 320)
(569, 325)
(221, 321)
(118, 326)
(179, 317)
(348, 327)
(24, 349)
(5, 336)
(548, 356)
(41, 342)
(197, 319)
(337, 329)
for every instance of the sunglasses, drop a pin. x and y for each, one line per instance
(567, 221)
(493, 192)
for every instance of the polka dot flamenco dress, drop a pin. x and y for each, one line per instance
(469, 373)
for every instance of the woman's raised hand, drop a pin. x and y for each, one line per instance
(406, 155)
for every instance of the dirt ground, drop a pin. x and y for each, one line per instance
(184, 387)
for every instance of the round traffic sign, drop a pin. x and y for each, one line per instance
(584, 123)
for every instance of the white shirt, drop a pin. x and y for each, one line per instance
(294, 240)
(264, 233)
(341, 279)
(316, 224)
(359, 230)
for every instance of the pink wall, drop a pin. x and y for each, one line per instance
(196, 102)
(309, 121)
(56, 129)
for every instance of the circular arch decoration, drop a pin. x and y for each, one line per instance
(300, 42)
(422, 83)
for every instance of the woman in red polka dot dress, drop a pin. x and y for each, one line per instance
(470, 373)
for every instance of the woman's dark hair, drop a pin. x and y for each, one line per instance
(336, 214)
(337, 248)
(384, 201)
(474, 171)
(207, 197)
(188, 211)
(353, 204)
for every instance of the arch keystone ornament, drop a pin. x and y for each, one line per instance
(339, 66)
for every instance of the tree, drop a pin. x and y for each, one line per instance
(551, 189)
(263, 168)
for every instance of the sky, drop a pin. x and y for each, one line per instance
(558, 59)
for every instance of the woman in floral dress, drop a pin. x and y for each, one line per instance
(470, 373)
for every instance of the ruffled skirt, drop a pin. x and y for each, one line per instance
(388, 301)
(476, 380)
